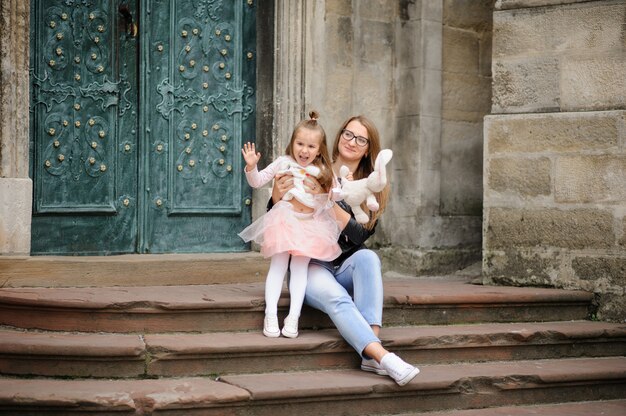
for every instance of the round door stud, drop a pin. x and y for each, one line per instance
(126, 202)
(247, 201)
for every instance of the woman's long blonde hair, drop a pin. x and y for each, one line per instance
(366, 164)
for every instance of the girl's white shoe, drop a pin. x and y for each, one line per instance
(270, 326)
(290, 330)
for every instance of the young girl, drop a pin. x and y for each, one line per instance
(299, 226)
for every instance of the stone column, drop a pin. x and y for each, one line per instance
(442, 93)
(289, 74)
(15, 184)
(288, 86)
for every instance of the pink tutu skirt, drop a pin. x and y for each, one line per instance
(283, 230)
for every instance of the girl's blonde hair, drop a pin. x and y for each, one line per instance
(366, 164)
(322, 160)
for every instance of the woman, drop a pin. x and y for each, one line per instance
(349, 289)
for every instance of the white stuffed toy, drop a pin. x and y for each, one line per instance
(355, 192)
(299, 175)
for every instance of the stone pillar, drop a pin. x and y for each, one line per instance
(15, 184)
(287, 107)
(442, 89)
(555, 149)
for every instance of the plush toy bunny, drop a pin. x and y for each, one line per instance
(355, 192)
(299, 174)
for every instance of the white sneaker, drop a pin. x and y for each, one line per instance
(270, 326)
(290, 330)
(397, 369)
(372, 365)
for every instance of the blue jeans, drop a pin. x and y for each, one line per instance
(352, 296)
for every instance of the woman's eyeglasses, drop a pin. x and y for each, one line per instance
(348, 136)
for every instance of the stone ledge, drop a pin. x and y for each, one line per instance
(523, 4)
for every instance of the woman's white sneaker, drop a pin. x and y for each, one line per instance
(290, 330)
(372, 366)
(399, 370)
(270, 326)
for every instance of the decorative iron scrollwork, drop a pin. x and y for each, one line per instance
(234, 101)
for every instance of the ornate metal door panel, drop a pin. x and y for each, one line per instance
(83, 127)
(199, 78)
(114, 177)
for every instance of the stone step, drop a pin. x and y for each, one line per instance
(189, 354)
(346, 392)
(596, 408)
(132, 270)
(239, 307)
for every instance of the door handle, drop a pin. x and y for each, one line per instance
(131, 26)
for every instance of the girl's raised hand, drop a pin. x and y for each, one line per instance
(250, 156)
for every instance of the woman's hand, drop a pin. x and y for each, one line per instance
(312, 185)
(283, 182)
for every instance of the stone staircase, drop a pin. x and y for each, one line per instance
(145, 348)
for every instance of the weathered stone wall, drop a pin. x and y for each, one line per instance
(400, 63)
(555, 155)
(15, 185)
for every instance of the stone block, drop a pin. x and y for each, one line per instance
(484, 62)
(610, 269)
(581, 228)
(431, 98)
(337, 98)
(461, 168)
(380, 10)
(611, 307)
(465, 97)
(432, 10)
(404, 185)
(339, 42)
(408, 48)
(416, 262)
(377, 92)
(563, 132)
(526, 85)
(460, 51)
(520, 267)
(339, 7)
(594, 83)
(596, 179)
(594, 26)
(432, 44)
(15, 215)
(526, 177)
(410, 10)
(376, 43)
(408, 91)
(473, 15)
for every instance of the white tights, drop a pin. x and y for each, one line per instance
(297, 282)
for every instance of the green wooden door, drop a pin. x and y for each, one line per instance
(138, 112)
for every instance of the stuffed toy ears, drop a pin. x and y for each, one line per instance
(343, 171)
(383, 158)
